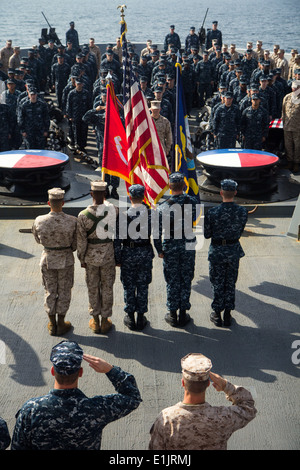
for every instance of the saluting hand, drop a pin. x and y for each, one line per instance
(99, 365)
(218, 382)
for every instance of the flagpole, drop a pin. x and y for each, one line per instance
(178, 71)
(121, 8)
(108, 80)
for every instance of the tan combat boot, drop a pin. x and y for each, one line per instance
(62, 326)
(106, 325)
(94, 324)
(52, 325)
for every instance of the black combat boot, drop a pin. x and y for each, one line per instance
(171, 318)
(227, 317)
(141, 321)
(184, 318)
(129, 321)
(215, 317)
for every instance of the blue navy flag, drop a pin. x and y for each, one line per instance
(183, 151)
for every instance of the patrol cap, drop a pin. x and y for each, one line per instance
(66, 357)
(176, 177)
(155, 104)
(196, 367)
(229, 94)
(32, 91)
(172, 26)
(98, 185)
(256, 96)
(56, 193)
(136, 191)
(229, 185)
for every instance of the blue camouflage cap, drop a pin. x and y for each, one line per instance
(176, 177)
(66, 357)
(229, 185)
(137, 191)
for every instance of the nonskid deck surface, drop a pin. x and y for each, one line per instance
(256, 352)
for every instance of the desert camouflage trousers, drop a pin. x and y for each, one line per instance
(100, 283)
(58, 285)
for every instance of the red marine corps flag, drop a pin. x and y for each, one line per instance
(114, 160)
(147, 161)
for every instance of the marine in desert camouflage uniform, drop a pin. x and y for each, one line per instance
(194, 424)
(56, 231)
(291, 126)
(95, 251)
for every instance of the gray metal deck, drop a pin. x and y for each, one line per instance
(255, 352)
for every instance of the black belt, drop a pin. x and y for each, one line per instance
(223, 242)
(57, 248)
(98, 241)
(136, 244)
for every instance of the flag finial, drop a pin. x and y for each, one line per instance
(121, 7)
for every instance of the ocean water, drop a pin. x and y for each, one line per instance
(272, 21)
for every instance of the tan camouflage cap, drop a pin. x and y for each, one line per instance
(155, 105)
(98, 185)
(56, 193)
(196, 367)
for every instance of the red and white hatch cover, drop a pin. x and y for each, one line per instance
(32, 159)
(237, 158)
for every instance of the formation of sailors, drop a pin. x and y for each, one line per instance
(78, 76)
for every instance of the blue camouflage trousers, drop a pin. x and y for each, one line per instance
(223, 277)
(136, 275)
(179, 268)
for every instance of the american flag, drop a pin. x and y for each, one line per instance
(147, 162)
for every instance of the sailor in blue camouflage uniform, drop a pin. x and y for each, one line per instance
(213, 33)
(226, 123)
(192, 40)
(72, 36)
(79, 101)
(34, 121)
(172, 38)
(65, 418)
(175, 243)
(6, 126)
(60, 73)
(254, 124)
(134, 254)
(224, 224)
(204, 79)
(4, 435)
